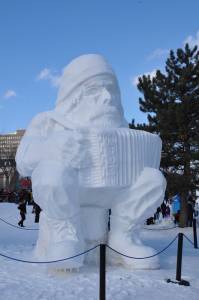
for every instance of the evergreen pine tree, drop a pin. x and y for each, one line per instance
(171, 100)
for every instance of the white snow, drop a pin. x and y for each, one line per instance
(29, 281)
(83, 155)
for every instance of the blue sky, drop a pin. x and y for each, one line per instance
(38, 38)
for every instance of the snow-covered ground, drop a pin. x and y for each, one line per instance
(32, 281)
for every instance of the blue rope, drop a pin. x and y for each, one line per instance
(48, 262)
(18, 227)
(145, 256)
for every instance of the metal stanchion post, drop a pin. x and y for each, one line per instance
(179, 257)
(102, 279)
(179, 263)
(195, 234)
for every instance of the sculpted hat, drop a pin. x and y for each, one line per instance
(79, 70)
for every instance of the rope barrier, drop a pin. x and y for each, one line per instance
(190, 241)
(47, 262)
(145, 256)
(79, 254)
(18, 227)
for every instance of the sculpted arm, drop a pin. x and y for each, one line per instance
(45, 139)
(31, 149)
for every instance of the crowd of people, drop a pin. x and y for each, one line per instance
(162, 212)
(15, 195)
(170, 210)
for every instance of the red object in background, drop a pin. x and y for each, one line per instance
(25, 183)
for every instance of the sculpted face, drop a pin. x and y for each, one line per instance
(95, 102)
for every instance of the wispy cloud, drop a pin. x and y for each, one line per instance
(51, 76)
(9, 94)
(158, 53)
(192, 41)
(135, 79)
(44, 74)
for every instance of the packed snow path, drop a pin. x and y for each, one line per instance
(29, 281)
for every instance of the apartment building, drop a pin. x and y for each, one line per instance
(8, 147)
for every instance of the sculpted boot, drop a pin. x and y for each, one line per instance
(141, 200)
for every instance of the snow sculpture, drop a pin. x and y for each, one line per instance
(83, 160)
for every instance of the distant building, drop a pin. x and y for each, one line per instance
(8, 146)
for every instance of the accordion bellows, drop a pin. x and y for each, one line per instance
(118, 156)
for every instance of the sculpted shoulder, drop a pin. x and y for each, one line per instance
(41, 124)
(41, 118)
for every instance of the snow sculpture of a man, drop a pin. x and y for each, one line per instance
(83, 160)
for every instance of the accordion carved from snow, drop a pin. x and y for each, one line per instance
(118, 157)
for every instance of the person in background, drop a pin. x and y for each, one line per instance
(196, 212)
(150, 221)
(176, 208)
(37, 211)
(29, 197)
(163, 209)
(158, 214)
(22, 208)
(15, 196)
(190, 209)
(168, 211)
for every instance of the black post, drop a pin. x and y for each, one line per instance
(179, 256)
(102, 291)
(195, 234)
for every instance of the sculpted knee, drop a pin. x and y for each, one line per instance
(55, 188)
(154, 176)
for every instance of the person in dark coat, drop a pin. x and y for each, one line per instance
(22, 208)
(190, 210)
(37, 211)
(158, 211)
(168, 211)
(150, 221)
(163, 209)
